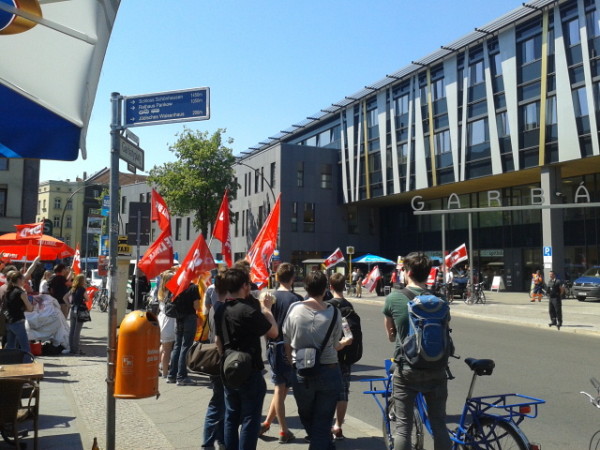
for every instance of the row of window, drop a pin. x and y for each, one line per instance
(259, 180)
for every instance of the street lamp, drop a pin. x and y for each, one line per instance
(262, 176)
(62, 217)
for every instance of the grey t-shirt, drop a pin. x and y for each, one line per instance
(305, 327)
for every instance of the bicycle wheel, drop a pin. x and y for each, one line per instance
(495, 434)
(416, 436)
(595, 441)
(103, 303)
(482, 296)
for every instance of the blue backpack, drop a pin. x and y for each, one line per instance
(428, 344)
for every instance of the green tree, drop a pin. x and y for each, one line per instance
(196, 181)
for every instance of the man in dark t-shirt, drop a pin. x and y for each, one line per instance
(245, 323)
(59, 285)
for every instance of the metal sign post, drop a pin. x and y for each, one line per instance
(149, 109)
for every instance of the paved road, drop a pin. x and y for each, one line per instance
(74, 390)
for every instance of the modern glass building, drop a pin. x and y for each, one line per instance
(512, 107)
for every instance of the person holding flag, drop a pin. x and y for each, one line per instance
(196, 266)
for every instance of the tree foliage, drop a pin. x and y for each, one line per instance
(196, 181)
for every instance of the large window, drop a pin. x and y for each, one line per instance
(442, 142)
(476, 75)
(503, 128)
(56, 221)
(572, 32)
(580, 102)
(69, 223)
(437, 88)
(478, 133)
(401, 105)
(309, 218)
(531, 49)
(272, 176)
(551, 118)
(531, 116)
(178, 229)
(57, 203)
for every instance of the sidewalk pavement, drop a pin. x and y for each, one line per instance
(73, 392)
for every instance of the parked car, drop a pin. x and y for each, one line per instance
(587, 286)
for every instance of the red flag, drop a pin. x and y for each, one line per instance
(432, 276)
(263, 247)
(160, 211)
(159, 256)
(198, 260)
(76, 266)
(221, 230)
(457, 255)
(30, 230)
(394, 278)
(370, 282)
(334, 258)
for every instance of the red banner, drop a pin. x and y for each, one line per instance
(334, 258)
(30, 230)
(76, 266)
(199, 260)
(159, 256)
(457, 255)
(221, 230)
(370, 282)
(160, 211)
(263, 247)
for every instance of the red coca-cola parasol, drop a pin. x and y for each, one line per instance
(48, 247)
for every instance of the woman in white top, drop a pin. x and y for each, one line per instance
(306, 326)
(166, 323)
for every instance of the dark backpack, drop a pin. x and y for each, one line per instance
(170, 309)
(428, 344)
(351, 353)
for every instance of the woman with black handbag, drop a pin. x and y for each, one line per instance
(79, 313)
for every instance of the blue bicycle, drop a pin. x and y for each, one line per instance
(489, 422)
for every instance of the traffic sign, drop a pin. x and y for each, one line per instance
(547, 251)
(167, 107)
(131, 153)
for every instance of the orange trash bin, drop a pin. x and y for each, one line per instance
(137, 356)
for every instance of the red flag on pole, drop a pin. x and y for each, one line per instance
(334, 258)
(160, 211)
(198, 261)
(370, 282)
(159, 256)
(263, 247)
(30, 230)
(221, 230)
(457, 255)
(76, 266)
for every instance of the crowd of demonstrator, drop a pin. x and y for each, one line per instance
(17, 296)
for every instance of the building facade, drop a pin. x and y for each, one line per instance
(512, 108)
(18, 192)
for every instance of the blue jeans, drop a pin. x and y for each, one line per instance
(74, 332)
(17, 338)
(316, 398)
(214, 422)
(186, 330)
(434, 386)
(243, 406)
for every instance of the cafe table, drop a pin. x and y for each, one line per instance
(30, 371)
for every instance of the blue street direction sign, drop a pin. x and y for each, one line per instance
(167, 107)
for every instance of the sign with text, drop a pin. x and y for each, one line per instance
(130, 152)
(167, 107)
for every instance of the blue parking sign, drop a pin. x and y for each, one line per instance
(547, 251)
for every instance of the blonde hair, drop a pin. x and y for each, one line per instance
(78, 282)
(163, 292)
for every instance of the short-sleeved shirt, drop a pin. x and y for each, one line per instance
(283, 301)
(14, 305)
(396, 307)
(185, 301)
(57, 286)
(305, 327)
(245, 325)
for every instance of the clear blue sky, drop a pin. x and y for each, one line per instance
(268, 63)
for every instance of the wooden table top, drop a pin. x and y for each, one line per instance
(32, 371)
